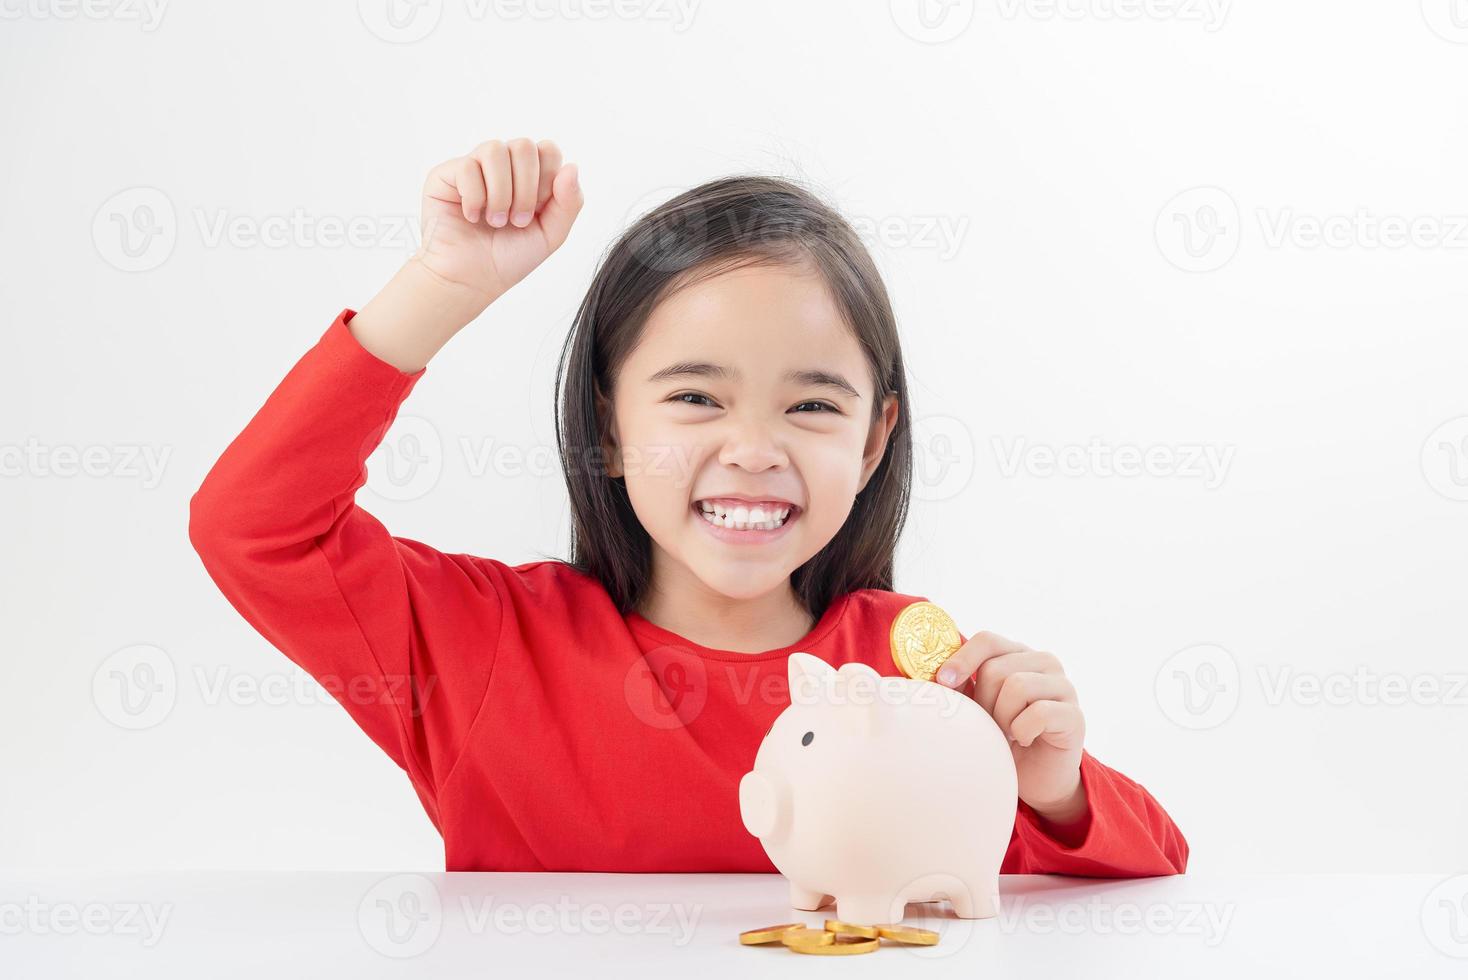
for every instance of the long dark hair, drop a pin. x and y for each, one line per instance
(717, 226)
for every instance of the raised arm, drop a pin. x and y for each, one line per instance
(402, 635)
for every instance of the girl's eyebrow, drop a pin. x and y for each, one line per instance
(810, 377)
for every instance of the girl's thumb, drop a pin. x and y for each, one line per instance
(565, 203)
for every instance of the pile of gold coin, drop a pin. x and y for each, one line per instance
(923, 636)
(837, 938)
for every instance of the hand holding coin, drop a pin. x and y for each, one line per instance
(1024, 690)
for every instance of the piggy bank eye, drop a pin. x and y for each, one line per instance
(806, 738)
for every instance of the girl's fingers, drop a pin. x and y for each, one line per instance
(1024, 688)
(469, 183)
(525, 166)
(564, 204)
(967, 658)
(494, 162)
(550, 162)
(1044, 716)
(996, 670)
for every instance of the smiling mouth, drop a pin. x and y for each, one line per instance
(746, 517)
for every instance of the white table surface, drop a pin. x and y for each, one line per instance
(444, 925)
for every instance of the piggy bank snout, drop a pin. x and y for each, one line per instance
(762, 805)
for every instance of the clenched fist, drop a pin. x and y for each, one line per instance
(489, 218)
(492, 216)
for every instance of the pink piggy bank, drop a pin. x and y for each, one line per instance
(878, 791)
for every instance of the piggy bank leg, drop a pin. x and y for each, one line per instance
(805, 899)
(975, 897)
(974, 901)
(871, 910)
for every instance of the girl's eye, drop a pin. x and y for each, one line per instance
(681, 398)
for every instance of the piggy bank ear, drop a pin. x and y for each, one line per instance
(807, 673)
(861, 688)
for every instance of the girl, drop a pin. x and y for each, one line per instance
(734, 430)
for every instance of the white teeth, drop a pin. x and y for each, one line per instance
(743, 518)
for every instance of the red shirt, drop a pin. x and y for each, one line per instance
(542, 729)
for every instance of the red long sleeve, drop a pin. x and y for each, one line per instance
(278, 530)
(542, 729)
(1130, 835)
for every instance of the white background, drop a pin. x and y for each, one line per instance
(1025, 175)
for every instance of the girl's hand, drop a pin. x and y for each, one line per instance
(491, 217)
(1034, 703)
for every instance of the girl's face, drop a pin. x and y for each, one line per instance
(746, 385)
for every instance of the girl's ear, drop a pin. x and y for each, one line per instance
(607, 427)
(876, 446)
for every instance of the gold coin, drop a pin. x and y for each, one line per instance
(843, 946)
(907, 934)
(923, 636)
(850, 929)
(769, 934)
(802, 936)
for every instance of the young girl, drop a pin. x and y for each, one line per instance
(734, 430)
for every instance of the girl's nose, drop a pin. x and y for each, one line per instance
(753, 446)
